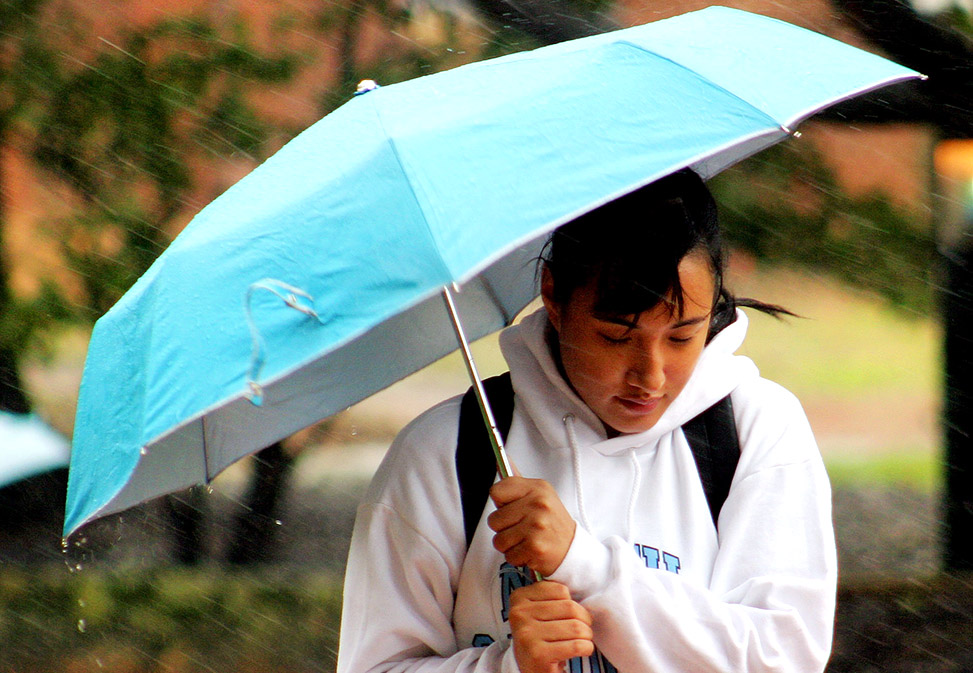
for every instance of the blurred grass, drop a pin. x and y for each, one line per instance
(167, 619)
(845, 344)
(859, 365)
(919, 470)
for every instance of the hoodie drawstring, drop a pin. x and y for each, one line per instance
(576, 462)
(633, 499)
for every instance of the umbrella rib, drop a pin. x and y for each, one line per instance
(708, 80)
(393, 146)
(202, 426)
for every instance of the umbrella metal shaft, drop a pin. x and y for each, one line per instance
(503, 464)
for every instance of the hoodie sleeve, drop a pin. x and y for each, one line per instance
(404, 563)
(770, 602)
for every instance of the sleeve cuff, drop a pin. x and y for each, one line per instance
(586, 567)
(508, 662)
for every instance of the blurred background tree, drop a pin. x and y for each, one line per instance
(118, 130)
(785, 207)
(133, 125)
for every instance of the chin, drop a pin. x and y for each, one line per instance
(630, 426)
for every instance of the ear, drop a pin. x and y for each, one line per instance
(547, 296)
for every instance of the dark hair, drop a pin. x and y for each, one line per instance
(631, 249)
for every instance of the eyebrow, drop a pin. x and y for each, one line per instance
(690, 321)
(624, 322)
(615, 320)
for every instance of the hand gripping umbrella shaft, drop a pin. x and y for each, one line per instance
(503, 463)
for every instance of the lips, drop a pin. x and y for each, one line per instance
(640, 405)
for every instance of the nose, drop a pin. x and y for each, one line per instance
(646, 370)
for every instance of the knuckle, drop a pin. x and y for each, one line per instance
(579, 630)
(585, 648)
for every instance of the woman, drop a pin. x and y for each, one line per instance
(636, 337)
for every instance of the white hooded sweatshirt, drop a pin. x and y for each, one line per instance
(667, 593)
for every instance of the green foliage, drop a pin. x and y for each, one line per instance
(785, 206)
(123, 130)
(344, 26)
(194, 619)
(958, 18)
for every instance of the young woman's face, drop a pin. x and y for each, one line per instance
(629, 371)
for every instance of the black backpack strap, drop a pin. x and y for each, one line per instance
(712, 436)
(476, 466)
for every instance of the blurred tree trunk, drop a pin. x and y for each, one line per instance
(958, 410)
(12, 395)
(255, 528)
(937, 51)
(547, 21)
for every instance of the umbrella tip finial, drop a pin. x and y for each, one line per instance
(365, 86)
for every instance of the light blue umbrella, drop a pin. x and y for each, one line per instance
(29, 447)
(317, 280)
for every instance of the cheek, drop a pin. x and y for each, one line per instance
(591, 366)
(682, 364)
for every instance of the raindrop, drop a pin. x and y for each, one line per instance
(81, 625)
(64, 545)
(143, 451)
(98, 661)
(278, 522)
(81, 602)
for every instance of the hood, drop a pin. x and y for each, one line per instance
(548, 399)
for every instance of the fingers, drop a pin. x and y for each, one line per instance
(512, 488)
(532, 526)
(548, 627)
(548, 601)
(536, 552)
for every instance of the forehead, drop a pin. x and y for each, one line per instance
(698, 290)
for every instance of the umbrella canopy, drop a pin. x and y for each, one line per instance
(29, 446)
(314, 282)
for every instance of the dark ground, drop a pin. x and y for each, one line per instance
(896, 612)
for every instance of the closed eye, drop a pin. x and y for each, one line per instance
(617, 341)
